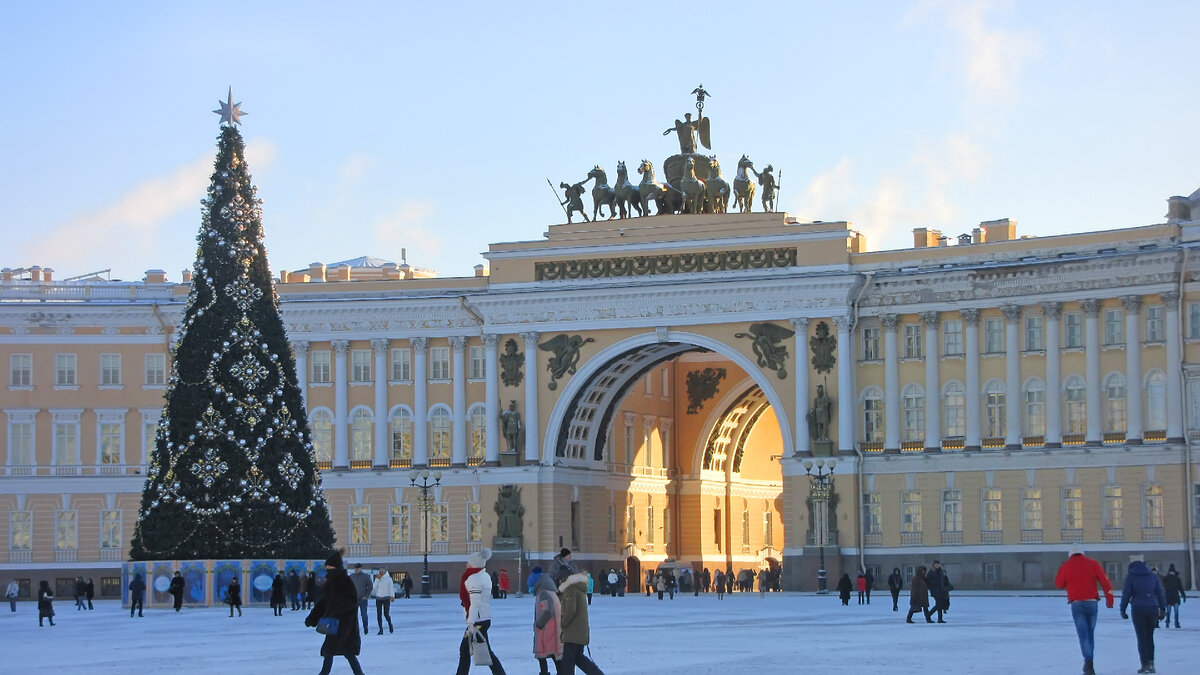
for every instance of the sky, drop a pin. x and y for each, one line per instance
(377, 127)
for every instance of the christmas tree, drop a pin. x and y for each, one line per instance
(233, 474)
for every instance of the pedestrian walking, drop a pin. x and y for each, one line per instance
(591, 586)
(860, 584)
(89, 592)
(278, 594)
(80, 594)
(1080, 575)
(622, 582)
(939, 589)
(45, 603)
(504, 584)
(706, 579)
(870, 584)
(310, 590)
(649, 582)
(176, 590)
(294, 584)
(560, 562)
(406, 584)
(11, 593)
(918, 596)
(233, 596)
(547, 618)
(895, 585)
(1143, 592)
(844, 586)
(612, 583)
(576, 633)
(339, 600)
(1173, 586)
(384, 590)
(474, 591)
(137, 594)
(362, 584)
(719, 580)
(762, 583)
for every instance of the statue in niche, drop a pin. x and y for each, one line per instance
(701, 386)
(823, 345)
(510, 364)
(566, 356)
(509, 512)
(511, 426)
(766, 339)
(820, 415)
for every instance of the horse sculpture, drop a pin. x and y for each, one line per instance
(626, 193)
(692, 188)
(649, 189)
(602, 194)
(743, 186)
(715, 188)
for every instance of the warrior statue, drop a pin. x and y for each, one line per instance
(511, 426)
(767, 180)
(574, 201)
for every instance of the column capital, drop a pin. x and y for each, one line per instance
(800, 324)
(842, 322)
(931, 319)
(889, 321)
(299, 346)
(1052, 310)
(458, 343)
(530, 338)
(1091, 306)
(1171, 299)
(419, 344)
(491, 340)
(1132, 303)
(971, 316)
(380, 344)
(340, 346)
(1011, 312)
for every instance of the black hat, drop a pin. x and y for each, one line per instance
(565, 552)
(334, 559)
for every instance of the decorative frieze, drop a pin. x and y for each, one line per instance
(678, 263)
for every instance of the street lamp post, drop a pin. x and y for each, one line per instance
(425, 504)
(821, 478)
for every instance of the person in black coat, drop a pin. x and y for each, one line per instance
(870, 585)
(278, 594)
(176, 590)
(293, 589)
(137, 595)
(311, 591)
(939, 590)
(1173, 586)
(895, 585)
(45, 603)
(80, 594)
(407, 583)
(90, 591)
(339, 601)
(844, 587)
(233, 596)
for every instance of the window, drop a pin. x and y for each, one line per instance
(478, 432)
(398, 525)
(914, 413)
(647, 441)
(719, 526)
(110, 529)
(20, 438)
(768, 528)
(20, 530)
(1114, 403)
(1196, 499)
(66, 530)
(993, 511)
(20, 370)
(612, 523)
(439, 363)
(402, 434)
(1031, 508)
(1034, 335)
(872, 513)
(156, 370)
(873, 415)
(1113, 506)
(666, 383)
(955, 409)
(1035, 408)
(910, 511)
(66, 440)
(1154, 324)
(64, 370)
(360, 365)
(439, 434)
(991, 572)
(362, 435)
(993, 401)
(402, 365)
(1074, 325)
(1156, 401)
(1194, 320)
(666, 518)
(110, 370)
(648, 384)
(150, 420)
(478, 362)
(912, 341)
(1072, 507)
(870, 343)
(1113, 330)
(474, 522)
(360, 524)
(321, 371)
(952, 337)
(629, 442)
(993, 335)
(951, 511)
(650, 524)
(322, 435)
(631, 524)
(1076, 405)
(111, 434)
(745, 528)
(1152, 513)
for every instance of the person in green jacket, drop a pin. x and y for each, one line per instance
(574, 625)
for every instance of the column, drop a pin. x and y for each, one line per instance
(382, 459)
(300, 351)
(491, 400)
(458, 447)
(891, 384)
(1133, 369)
(933, 387)
(803, 442)
(974, 439)
(845, 400)
(532, 426)
(1091, 331)
(1012, 377)
(341, 427)
(1174, 376)
(420, 404)
(1053, 376)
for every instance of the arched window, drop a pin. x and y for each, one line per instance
(478, 430)
(993, 409)
(1035, 408)
(362, 432)
(914, 413)
(872, 401)
(1114, 403)
(402, 435)
(955, 410)
(322, 435)
(1156, 401)
(1076, 405)
(439, 434)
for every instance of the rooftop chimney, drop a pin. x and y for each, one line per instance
(316, 271)
(1004, 229)
(187, 276)
(924, 237)
(155, 277)
(35, 273)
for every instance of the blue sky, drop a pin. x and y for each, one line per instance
(376, 126)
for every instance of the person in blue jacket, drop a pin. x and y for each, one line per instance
(1144, 592)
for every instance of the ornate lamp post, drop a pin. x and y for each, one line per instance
(821, 478)
(425, 504)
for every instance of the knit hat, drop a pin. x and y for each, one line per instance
(334, 559)
(479, 558)
(1076, 549)
(564, 553)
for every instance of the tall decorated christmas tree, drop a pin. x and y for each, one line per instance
(233, 473)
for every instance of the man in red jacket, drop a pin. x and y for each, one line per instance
(1080, 576)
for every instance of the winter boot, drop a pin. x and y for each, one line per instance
(1087, 667)
(1148, 668)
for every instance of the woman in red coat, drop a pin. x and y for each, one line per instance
(503, 583)
(861, 585)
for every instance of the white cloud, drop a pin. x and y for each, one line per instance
(405, 227)
(828, 194)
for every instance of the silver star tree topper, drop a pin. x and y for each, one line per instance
(230, 112)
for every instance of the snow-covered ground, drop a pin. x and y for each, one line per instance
(782, 633)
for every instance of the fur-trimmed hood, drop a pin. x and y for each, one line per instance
(577, 578)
